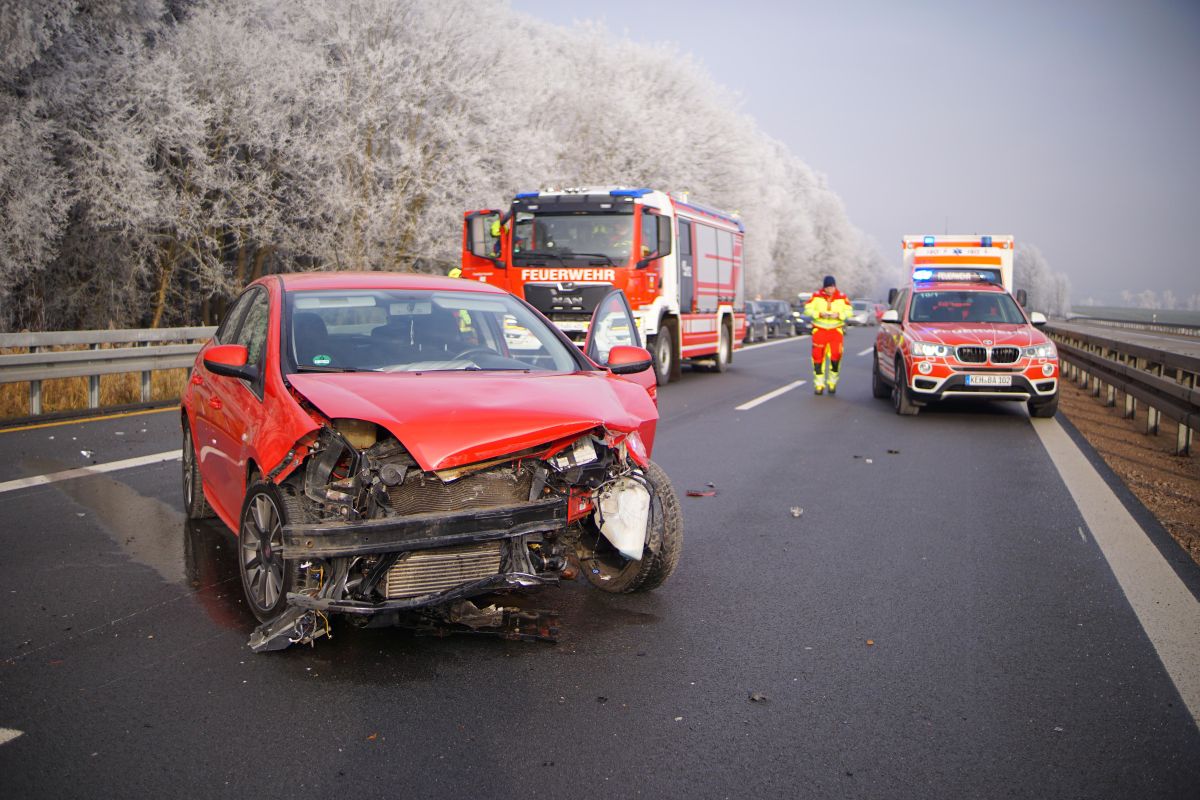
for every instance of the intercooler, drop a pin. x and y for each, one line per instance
(428, 571)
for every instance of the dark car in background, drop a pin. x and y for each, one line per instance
(800, 321)
(779, 318)
(756, 322)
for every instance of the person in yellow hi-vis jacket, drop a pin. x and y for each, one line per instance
(829, 309)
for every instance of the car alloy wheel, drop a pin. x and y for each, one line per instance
(266, 577)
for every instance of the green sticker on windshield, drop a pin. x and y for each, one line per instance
(321, 361)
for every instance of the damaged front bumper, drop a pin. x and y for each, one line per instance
(422, 531)
(419, 566)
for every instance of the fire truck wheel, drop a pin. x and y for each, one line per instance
(879, 387)
(901, 399)
(665, 369)
(724, 350)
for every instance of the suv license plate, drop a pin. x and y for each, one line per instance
(989, 380)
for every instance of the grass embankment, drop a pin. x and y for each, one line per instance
(71, 394)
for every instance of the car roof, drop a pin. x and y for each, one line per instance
(306, 281)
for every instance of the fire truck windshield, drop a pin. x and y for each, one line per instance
(588, 237)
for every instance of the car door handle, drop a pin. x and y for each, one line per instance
(215, 402)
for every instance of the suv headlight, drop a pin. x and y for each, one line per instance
(931, 350)
(1043, 350)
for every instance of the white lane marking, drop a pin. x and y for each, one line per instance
(1081, 536)
(1168, 612)
(772, 344)
(8, 734)
(94, 469)
(868, 350)
(769, 396)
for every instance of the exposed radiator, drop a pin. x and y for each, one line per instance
(427, 571)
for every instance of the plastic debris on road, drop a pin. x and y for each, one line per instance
(758, 697)
(701, 492)
(797, 511)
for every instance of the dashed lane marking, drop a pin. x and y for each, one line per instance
(94, 469)
(769, 396)
(8, 734)
(868, 350)
(1166, 609)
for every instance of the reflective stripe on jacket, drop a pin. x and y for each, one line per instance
(839, 304)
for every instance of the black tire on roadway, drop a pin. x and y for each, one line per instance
(879, 387)
(608, 570)
(194, 503)
(1044, 409)
(266, 577)
(664, 353)
(901, 400)
(720, 362)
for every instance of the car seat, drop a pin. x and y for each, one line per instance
(310, 337)
(437, 335)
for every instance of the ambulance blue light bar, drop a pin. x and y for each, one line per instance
(930, 241)
(956, 275)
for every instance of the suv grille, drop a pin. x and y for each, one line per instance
(971, 354)
(1005, 355)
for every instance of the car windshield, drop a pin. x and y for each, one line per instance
(965, 306)
(382, 330)
(861, 305)
(606, 238)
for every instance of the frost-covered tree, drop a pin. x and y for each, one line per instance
(1048, 291)
(155, 155)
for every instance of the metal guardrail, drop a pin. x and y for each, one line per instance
(1178, 329)
(1164, 382)
(146, 356)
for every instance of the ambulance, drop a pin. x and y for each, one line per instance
(958, 332)
(679, 263)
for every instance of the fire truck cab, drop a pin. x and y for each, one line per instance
(679, 263)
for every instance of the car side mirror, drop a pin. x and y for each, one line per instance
(626, 359)
(1037, 318)
(892, 295)
(1022, 298)
(230, 360)
(891, 315)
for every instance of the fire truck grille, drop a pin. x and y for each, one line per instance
(972, 354)
(424, 493)
(1005, 355)
(429, 571)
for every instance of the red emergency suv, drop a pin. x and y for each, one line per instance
(388, 447)
(959, 335)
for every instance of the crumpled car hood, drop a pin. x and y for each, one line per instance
(448, 419)
(956, 333)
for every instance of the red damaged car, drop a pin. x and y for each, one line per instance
(389, 446)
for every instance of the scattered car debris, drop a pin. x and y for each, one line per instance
(87, 453)
(601, 699)
(870, 642)
(868, 460)
(701, 492)
(758, 697)
(797, 511)
(893, 452)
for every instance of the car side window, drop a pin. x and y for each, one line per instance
(229, 325)
(253, 331)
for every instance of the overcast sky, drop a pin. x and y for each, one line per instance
(1074, 126)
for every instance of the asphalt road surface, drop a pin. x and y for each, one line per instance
(940, 621)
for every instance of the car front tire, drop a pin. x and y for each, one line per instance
(901, 397)
(1043, 409)
(266, 576)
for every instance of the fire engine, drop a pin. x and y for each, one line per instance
(678, 262)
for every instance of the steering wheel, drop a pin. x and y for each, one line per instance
(474, 351)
